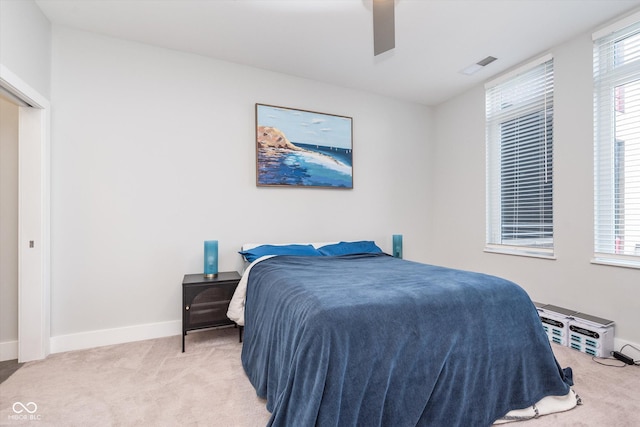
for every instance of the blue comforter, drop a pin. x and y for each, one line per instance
(371, 340)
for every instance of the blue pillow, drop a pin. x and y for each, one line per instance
(348, 248)
(259, 251)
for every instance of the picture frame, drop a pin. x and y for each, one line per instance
(302, 148)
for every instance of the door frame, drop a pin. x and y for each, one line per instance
(34, 218)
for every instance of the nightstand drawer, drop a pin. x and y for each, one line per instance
(203, 295)
(208, 312)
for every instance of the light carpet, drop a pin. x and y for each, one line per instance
(152, 383)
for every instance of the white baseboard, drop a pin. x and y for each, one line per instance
(8, 350)
(84, 340)
(99, 338)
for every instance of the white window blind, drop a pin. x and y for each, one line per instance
(616, 65)
(519, 132)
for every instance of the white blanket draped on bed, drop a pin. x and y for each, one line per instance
(235, 311)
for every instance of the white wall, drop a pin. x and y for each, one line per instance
(459, 201)
(153, 152)
(25, 43)
(8, 230)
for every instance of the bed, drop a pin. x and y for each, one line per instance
(351, 336)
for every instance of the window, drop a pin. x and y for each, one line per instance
(519, 115)
(616, 69)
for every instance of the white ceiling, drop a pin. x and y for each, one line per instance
(332, 40)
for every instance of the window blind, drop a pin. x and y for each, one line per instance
(519, 134)
(616, 68)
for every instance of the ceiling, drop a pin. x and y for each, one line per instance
(332, 40)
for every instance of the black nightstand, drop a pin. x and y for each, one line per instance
(205, 301)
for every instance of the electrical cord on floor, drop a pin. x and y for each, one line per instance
(621, 365)
(620, 357)
(627, 358)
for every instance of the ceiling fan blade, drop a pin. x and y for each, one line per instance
(384, 34)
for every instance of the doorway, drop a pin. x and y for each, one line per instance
(33, 253)
(8, 228)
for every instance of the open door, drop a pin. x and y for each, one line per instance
(33, 218)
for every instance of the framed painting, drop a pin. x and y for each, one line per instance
(299, 148)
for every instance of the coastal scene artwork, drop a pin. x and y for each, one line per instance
(302, 148)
